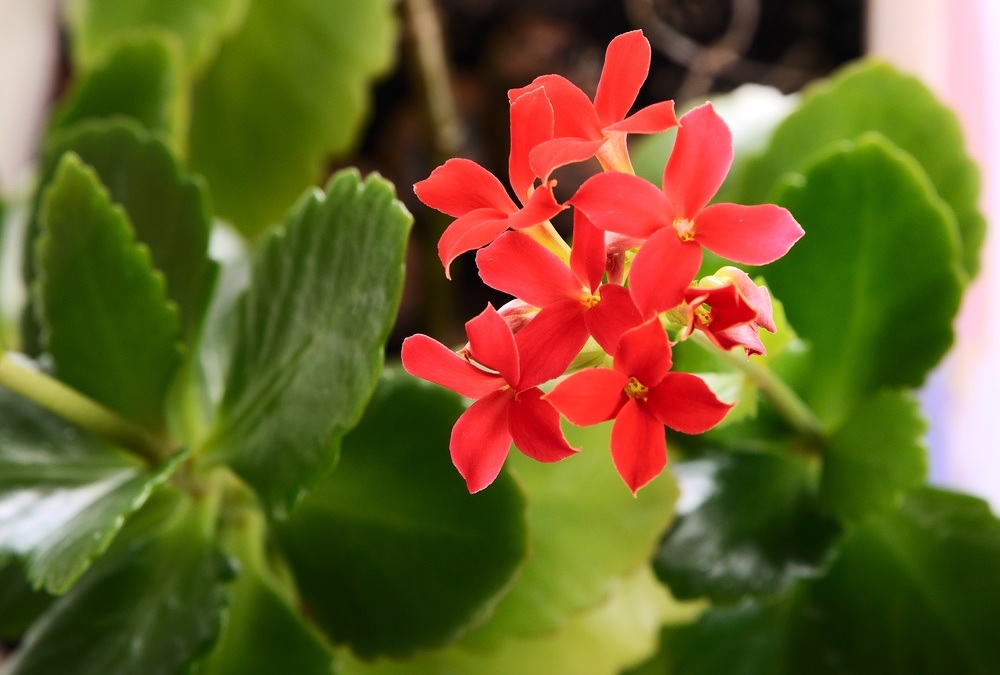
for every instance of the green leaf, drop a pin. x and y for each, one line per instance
(63, 495)
(874, 457)
(108, 325)
(587, 532)
(286, 92)
(872, 96)
(882, 316)
(311, 333)
(150, 607)
(141, 79)
(390, 552)
(747, 524)
(20, 604)
(97, 26)
(167, 206)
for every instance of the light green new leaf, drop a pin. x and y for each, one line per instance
(587, 532)
(873, 96)
(874, 457)
(106, 319)
(311, 331)
(881, 315)
(149, 607)
(63, 495)
(286, 92)
(390, 552)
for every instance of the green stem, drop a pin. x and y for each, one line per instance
(782, 397)
(81, 411)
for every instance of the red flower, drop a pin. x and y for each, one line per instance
(478, 200)
(641, 395)
(584, 129)
(676, 222)
(508, 407)
(730, 310)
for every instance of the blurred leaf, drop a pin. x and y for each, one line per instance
(390, 552)
(873, 96)
(20, 604)
(63, 495)
(876, 456)
(98, 26)
(286, 92)
(107, 322)
(882, 315)
(150, 607)
(747, 524)
(312, 328)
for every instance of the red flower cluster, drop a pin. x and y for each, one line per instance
(596, 303)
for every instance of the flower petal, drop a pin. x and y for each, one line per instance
(530, 124)
(699, 161)
(685, 403)
(638, 445)
(534, 426)
(649, 120)
(550, 342)
(480, 440)
(492, 344)
(644, 353)
(469, 232)
(626, 64)
(574, 113)
(430, 360)
(518, 265)
(754, 235)
(619, 202)
(588, 257)
(459, 186)
(541, 206)
(612, 316)
(662, 270)
(590, 396)
(550, 155)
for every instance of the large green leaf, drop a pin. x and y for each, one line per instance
(20, 604)
(587, 532)
(108, 325)
(151, 607)
(390, 552)
(747, 524)
(312, 328)
(63, 495)
(882, 315)
(286, 92)
(166, 206)
(872, 96)
(874, 457)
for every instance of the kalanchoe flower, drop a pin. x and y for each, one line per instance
(641, 395)
(508, 406)
(584, 129)
(677, 221)
(730, 309)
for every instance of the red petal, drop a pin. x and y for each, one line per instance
(590, 396)
(534, 426)
(549, 156)
(459, 186)
(480, 440)
(430, 360)
(618, 202)
(746, 336)
(638, 446)
(685, 403)
(612, 316)
(588, 256)
(492, 344)
(644, 353)
(649, 120)
(754, 235)
(574, 113)
(518, 265)
(550, 342)
(530, 124)
(626, 65)
(662, 270)
(469, 232)
(541, 206)
(699, 162)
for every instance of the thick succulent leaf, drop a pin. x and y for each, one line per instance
(150, 607)
(874, 457)
(882, 316)
(873, 96)
(587, 532)
(390, 552)
(286, 91)
(748, 524)
(311, 331)
(167, 206)
(98, 26)
(107, 322)
(63, 495)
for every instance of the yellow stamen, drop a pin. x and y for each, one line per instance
(635, 389)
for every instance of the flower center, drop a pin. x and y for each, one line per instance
(685, 229)
(590, 300)
(635, 389)
(704, 314)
